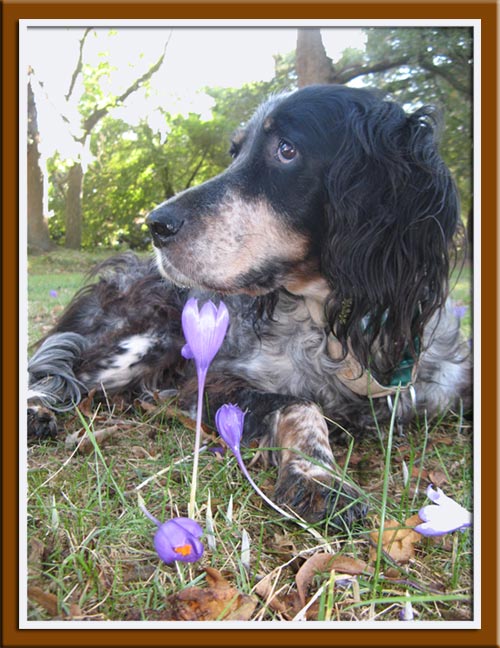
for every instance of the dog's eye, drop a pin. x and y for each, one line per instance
(286, 151)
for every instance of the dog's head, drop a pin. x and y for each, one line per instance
(328, 186)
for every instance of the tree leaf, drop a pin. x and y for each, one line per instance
(397, 540)
(325, 562)
(219, 601)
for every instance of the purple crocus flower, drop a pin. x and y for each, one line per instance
(229, 421)
(177, 539)
(53, 293)
(204, 331)
(460, 311)
(443, 516)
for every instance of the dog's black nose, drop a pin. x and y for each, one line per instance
(164, 222)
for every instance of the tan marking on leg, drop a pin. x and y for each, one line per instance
(308, 479)
(302, 429)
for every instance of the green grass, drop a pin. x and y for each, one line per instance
(461, 287)
(90, 546)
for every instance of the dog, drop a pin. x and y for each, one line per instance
(330, 238)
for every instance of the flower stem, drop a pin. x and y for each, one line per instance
(197, 441)
(143, 508)
(302, 524)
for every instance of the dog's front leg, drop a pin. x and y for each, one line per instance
(309, 481)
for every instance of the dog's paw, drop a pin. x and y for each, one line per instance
(42, 424)
(320, 496)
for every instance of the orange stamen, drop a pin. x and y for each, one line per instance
(184, 550)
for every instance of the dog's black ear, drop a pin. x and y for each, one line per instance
(392, 215)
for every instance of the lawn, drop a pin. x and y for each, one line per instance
(90, 549)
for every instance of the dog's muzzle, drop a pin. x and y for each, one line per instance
(164, 223)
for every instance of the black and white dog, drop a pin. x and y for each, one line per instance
(329, 239)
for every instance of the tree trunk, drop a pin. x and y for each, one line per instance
(311, 63)
(73, 213)
(38, 231)
(73, 210)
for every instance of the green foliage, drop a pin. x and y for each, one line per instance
(235, 106)
(432, 65)
(93, 96)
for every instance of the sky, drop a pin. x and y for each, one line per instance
(196, 57)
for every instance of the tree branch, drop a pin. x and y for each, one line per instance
(79, 65)
(347, 74)
(197, 168)
(438, 70)
(99, 113)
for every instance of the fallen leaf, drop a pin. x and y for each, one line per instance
(139, 452)
(137, 572)
(397, 540)
(437, 477)
(419, 472)
(219, 601)
(265, 589)
(48, 602)
(392, 573)
(412, 521)
(147, 407)
(86, 445)
(446, 440)
(85, 405)
(174, 412)
(287, 604)
(325, 562)
(36, 550)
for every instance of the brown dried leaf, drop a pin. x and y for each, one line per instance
(437, 477)
(189, 423)
(36, 550)
(137, 572)
(85, 405)
(86, 445)
(416, 472)
(218, 601)
(139, 452)
(397, 541)
(288, 605)
(325, 562)
(147, 407)
(48, 602)
(265, 590)
(392, 573)
(446, 440)
(413, 521)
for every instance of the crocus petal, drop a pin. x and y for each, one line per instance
(189, 525)
(444, 516)
(214, 323)
(186, 352)
(178, 539)
(204, 330)
(460, 311)
(229, 421)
